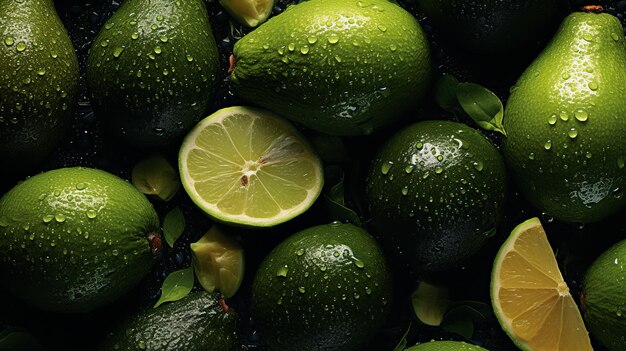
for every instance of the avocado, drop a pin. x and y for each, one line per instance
(201, 321)
(152, 70)
(435, 193)
(339, 67)
(326, 288)
(564, 122)
(603, 298)
(38, 83)
(75, 239)
(492, 28)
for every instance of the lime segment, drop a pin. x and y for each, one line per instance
(249, 167)
(529, 296)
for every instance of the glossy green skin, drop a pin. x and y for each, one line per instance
(491, 27)
(38, 85)
(445, 346)
(603, 298)
(441, 198)
(198, 322)
(152, 89)
(335, 66)
(322, 302)
(578, 179)
(54, 256)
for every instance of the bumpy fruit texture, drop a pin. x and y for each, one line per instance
(38, 83)
(603, 300)
(153, 70)
(565, 122)
(75, 239)
(435, 193)
(340, 67)
(199, 322)
(324, 288)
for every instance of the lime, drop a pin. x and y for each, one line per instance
(327, 287)
(218, 262)
(529, 296)
(249, 12)
(435, 193)
(445, 346)
(246, 166)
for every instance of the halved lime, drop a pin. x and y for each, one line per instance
(218, 261)
(249, 12)
(247, 166)
(529, 296)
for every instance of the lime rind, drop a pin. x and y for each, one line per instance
(235, 183)
(250, 13)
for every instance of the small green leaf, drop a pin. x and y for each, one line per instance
(430, 303)
(402, 343)
(335, 200)
(445, 92)
(177, 285)
(173, 226)
(482, 105)
(15, 339)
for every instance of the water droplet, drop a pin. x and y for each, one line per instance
(154, 27)
(312, 40)
(588, 155)
(59, 217)
(189, 58)
(408, 169)
(115, 252)
(531, 156)
(587, 36)
(547, 145)
(323, 268)
(109, 25)
(48, 218)
(300, 252)
(21, 47)
(564, 116)
(593, 85)
(338, 59)
(581, 115)
(141, 344)
(92, 214)
(620, 162)
(104, 43)
(478, 165)
(134, 36)
(304, 50)
(552, 119)
(158, 50)
(438, 169)
(572, 133)
(279, 301)
(359, 264)
(163, 39)
(333, 39)
(384, 169)
(565, 76)
(118, 51)
(405, 190)
(291, 46)
(9, 41)
(282, 271)
(392, 47)
(41, 72)
(615, 36)
(382, 28)
(81, 186)
(301, 290)
(281, 50)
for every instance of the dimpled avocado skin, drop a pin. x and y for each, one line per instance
(340, 67)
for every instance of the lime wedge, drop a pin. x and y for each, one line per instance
(249, 167)
(218, 262)
(155, 176)
(250, 13)
(529, 296)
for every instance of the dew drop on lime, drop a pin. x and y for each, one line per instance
(21, 47)
(479, 166)
(59, 217)
(547, 145)
(48, 218)
(359, 264)
(300, 252)
(282, 271)
(572, 133)
(405, 190)
(408, 169)
(581, 115)
(384, 169)
(593, 85)
(438, 170)
(564, 116)
(620, 162)
(92, 214)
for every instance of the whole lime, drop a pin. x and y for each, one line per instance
(435, 193)
(75, 239)
(325, 288)
(445, 346)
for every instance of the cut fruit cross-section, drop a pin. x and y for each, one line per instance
(246, 166)
(530, 298)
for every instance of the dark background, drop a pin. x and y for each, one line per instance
(86, 145)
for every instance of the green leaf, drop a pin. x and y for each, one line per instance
(462, 315)
(15, 339)
(462, 327)
(177, 285)
(402, 343)
(335, 199)
(430, 303)
(173, 226)
(482, 105)
(445, 92)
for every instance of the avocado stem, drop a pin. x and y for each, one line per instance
(156, 243)
(225, 306)
(231, 60)
(593, 9)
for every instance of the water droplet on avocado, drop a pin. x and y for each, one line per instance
(405, 190)
(572, 133)
(48, 218)
(620, 162)
(408, 169)
(282, 271)
(117, 52)
(384, 169)
(92, 214)
(21, 47)
(593, 85)
(564, 116)
(359, 264)
(9, 41)
(300, 252)
(59, 217)
(581, 115)
(333, 39)
(547, 145)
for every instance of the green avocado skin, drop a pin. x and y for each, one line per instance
(198, 322)
(38, 82)
(153, 70)
(492, 27)
(336, 66)
(74, 239)
(603, 298)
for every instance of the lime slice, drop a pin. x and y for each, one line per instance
(247, 166)
(250, 13)
(529, 296)
(218, 262)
